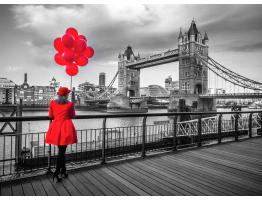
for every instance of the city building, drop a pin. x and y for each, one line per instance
(86, 87)
(35, 95)
(156, 90)
(54, 83)
(144, 91)
(171, 85)
(7, 91)
(102, 80)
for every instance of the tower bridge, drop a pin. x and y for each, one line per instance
(197, 73)
(192, 75)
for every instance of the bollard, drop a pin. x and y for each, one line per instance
(144, 138)
(219, 128)
(236, 127)
(18, 138)
(175, 134)
(104, 143)
(250, 125)
(199, 131)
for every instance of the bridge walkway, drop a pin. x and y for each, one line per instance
(233, 168)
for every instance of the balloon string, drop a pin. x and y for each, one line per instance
(71, 83)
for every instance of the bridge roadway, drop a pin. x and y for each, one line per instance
(233, 168)
(154, 60)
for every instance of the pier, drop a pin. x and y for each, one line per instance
(229, 169)
(216, 153)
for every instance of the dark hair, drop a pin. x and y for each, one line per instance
(62, 100)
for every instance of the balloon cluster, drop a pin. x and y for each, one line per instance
(72, 51)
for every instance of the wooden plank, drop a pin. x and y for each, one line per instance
(160, 179)
(179, 187)
(60, 188)
(6, 189)
(207, 173)
(88, 185)
(184, 184)
(235, 165)
(234, 170)
(159, 183)
(17, 189)
(150, 183)
(188, 169)
(239, 150)
(212, 170)
(81, 188)
(70, 188)
(92, 179)
(197, 182)
(125, 182)
(242, 163)
(102, 180)
(138, 183)
(125, 189)
(38, 188)
(48, 187)
(28, 189)
(238, 155)
(185, 172)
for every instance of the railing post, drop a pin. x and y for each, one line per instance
(175, 134)
(144, 138)
(199, 131)
(49, 156)
(236, 126)
(18, 138)
(104, 142)
(250, 125)
(260, 122)
(219, 128)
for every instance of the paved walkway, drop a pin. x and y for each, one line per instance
(227, 169)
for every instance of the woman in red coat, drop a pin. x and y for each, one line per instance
(61, 131)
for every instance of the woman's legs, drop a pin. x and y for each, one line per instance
(63, 167)
(60, 161)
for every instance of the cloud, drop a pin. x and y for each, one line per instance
(147, 28)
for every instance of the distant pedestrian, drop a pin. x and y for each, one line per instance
(61, 131)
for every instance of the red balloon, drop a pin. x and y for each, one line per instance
(68, 41)
(59, 59)
(72, 69)
(58, 45)
(89, 52)
(68, 55)
(82, 61)
(80, 45)
(72, 31)
(82, 37)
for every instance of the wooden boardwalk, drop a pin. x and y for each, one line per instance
(227, 169)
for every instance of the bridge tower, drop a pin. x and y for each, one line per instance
(193, 77)
(128, 79)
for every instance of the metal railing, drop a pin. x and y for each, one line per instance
(22, 153)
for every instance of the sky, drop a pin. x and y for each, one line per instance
(27, 33)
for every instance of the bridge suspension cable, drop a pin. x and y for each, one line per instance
(107, 92)
(228, 75)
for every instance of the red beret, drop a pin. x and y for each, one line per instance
(62, 91)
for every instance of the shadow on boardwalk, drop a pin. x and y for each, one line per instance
(228, 169)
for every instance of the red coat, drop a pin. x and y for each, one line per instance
(61, 131)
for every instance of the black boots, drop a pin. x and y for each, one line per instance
(63, 172)
(55, 175)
